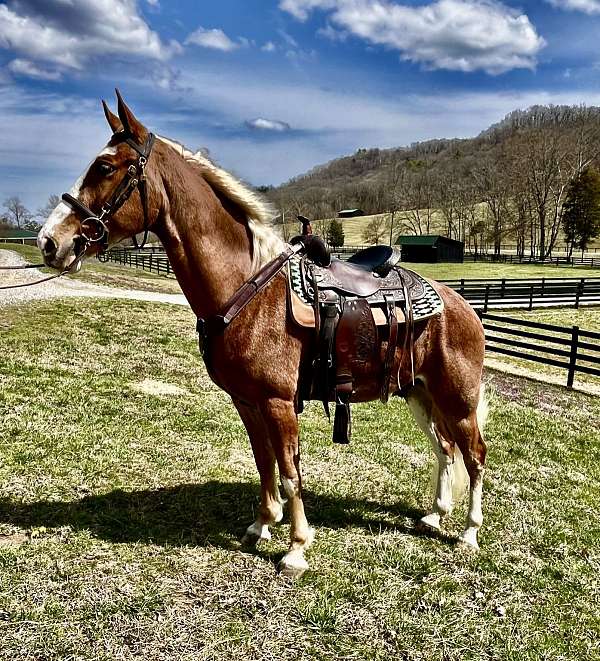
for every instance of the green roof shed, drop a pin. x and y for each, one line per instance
(430, 248)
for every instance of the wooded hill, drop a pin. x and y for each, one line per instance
(507, 185)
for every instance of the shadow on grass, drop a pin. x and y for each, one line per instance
(210, 514)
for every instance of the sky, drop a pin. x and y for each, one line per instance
(272, 88)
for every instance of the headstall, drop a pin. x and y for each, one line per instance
(94, 229)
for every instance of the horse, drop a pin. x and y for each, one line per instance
(217, 234)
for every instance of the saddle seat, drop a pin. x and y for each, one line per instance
(376, 259)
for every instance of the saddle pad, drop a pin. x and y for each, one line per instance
(426, 301)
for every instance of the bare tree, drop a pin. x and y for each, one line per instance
(16, 212)
(375, 231)
(45, 211)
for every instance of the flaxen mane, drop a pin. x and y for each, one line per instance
(266, 243)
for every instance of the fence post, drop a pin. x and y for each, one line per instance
(462, 287)
(573, 357)
(502, 288)
(531, 297)
(543, 286)
(580, 286)
(487, 297)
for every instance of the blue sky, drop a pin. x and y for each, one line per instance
(274, 87)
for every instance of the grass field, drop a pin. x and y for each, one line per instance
(126, 481)
(109, 275)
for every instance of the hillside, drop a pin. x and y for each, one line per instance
(506, 185)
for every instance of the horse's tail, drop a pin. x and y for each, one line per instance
(460, 477)
(483, 409)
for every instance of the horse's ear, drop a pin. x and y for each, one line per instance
(113, 121)
(135, 128)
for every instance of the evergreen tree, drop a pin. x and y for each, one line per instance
(335, 234)
(581, 211)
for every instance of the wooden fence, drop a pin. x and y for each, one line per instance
(571, 349)
(151, 260)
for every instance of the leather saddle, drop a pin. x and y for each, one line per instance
(359, 308)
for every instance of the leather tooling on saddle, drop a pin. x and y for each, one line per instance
(360, 310)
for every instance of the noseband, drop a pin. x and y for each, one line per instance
(94, 229)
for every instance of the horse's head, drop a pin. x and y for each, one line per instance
(103, 206)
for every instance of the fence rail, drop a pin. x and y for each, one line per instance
(572, 349)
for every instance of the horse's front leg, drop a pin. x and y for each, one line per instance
(271, 506)
(282, 423)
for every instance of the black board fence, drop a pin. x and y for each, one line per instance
(529, 293)
(569, 348)
(147, 260)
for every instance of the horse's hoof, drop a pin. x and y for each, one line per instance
(468, 541)
(292, 565)
(429, 523)
(255, 534)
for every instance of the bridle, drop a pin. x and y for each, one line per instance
(94, 230)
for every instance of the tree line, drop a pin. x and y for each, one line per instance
(508, 185)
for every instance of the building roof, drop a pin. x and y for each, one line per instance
(15, 233)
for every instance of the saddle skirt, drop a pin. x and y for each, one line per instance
(426, 302)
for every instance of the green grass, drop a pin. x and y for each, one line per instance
(121, 509)
(109, 275)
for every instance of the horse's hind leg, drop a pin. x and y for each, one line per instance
(420, 404)
(271, 507)
(282, 424)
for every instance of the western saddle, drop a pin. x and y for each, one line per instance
(356, 308)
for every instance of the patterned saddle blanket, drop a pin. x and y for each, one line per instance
(426, 302)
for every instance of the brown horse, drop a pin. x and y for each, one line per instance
(216, 233)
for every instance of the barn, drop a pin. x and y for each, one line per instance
(431, 249)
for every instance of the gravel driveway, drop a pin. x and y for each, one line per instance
(65, 287)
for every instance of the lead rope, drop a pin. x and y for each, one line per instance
(35, 266)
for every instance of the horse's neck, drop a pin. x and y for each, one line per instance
(210, 249)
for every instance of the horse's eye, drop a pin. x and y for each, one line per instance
(105, 169)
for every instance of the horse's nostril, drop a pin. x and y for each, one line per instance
(49, 247)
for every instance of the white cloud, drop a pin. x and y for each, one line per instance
(269, 47)
(460, 35)
(30, 70)
(215, 39)
(586, 6)
(69, 34)
(262, 124)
